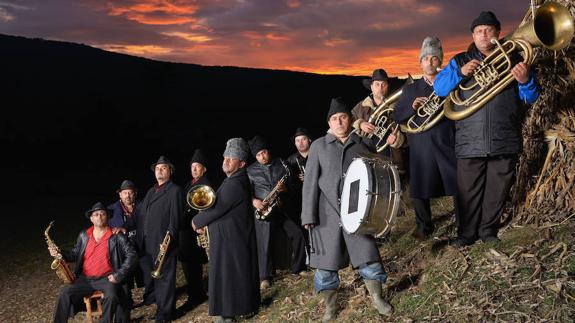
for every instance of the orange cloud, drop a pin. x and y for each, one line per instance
(138, 50)
(196, 38)
(157, 12)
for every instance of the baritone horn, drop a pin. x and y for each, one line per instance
(551, 27)
(381, 117)
(202, 197)
(426, 116)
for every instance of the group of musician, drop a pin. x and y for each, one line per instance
(472, 160)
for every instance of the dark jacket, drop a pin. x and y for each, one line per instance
(432, 162)
(188, 250)
(264, 177)
(120, 219)
(295, 186)
(161, 211)
(233, 273)
(495, 129)
(121, 254)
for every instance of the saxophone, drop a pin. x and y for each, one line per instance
(272, 199)
(59, 265)
(157, 272)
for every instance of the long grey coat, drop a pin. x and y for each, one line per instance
(328, 160)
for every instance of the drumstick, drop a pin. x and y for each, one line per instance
(311, 248)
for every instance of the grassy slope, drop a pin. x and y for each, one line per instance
(528, 276)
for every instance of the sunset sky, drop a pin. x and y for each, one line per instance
(321, 36)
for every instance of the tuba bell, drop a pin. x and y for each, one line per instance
(427, 115)
(201, 197)
(381, 117)
(551, 27)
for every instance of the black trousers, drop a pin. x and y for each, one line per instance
(193, 272)
(264, 238)
(83, 287)
(423, 214)
(482, 186)
(162, 290)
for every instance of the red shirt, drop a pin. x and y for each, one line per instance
(96, 260)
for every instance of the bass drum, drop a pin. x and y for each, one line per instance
(370, 196)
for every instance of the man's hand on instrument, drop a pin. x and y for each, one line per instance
(118, 230)
(112, 279)
(521, 72)
(392, 136)
(309, 226)
(419, 101)
(367, 127)
(54, 252)
(162, 248)
(200, 231)
(301, 176)
(282, 187)
(470, 67)
(258, 204)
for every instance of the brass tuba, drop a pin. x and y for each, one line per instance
(381, 117)
(59, 265)
(159, 263)
(202, 197)
(427, 115)
(551, 27)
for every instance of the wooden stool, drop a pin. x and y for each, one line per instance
(90, 313)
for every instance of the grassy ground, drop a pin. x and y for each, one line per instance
(528, 276)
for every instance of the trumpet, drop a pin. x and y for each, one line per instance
(427, 115)
(157, 272)
(381, 118)
(300, 166)
(59, 265)
(551, 27)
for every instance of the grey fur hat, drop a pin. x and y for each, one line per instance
(237, 148)
(431, 46)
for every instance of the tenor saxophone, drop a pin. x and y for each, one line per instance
(58, 264)
(161, 256)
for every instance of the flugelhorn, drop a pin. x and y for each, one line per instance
(382, 120)
(159, 263)
(551, 27)
(426, 116)
(58, 264)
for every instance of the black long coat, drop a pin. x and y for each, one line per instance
(432, 163)
(188, 250)
(161, 211)
(233, 274)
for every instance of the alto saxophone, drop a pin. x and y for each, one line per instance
(59, 265)
(157, 272)
(272, 199)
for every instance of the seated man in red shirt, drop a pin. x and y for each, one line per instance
(103, 261)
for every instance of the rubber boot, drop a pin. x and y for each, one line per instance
(331, 307)
(374, 289)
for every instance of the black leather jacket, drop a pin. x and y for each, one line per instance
(265, 177)
(121, 254)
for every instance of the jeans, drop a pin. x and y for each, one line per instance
(329, 279)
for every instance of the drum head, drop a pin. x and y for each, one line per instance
(355, 200)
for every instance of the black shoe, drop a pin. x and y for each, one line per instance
(420, 235)
(490, 239)
(460, 242)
